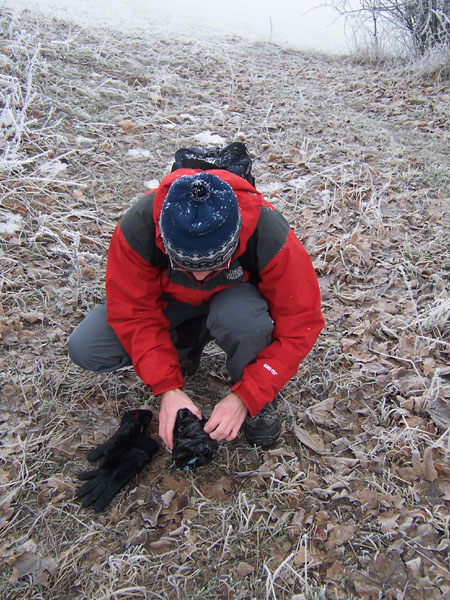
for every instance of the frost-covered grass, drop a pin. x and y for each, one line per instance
(435, 63)
(353, 503)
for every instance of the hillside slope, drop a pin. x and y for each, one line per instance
(354, 501)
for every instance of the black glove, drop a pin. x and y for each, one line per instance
(192, 447)
(132, 424)
(104, 483)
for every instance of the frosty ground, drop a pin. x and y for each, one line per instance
(353, 503)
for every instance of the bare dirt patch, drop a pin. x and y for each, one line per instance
(354, 501)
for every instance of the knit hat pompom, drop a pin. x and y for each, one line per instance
(200, 222)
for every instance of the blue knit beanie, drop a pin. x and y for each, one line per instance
(200, 222)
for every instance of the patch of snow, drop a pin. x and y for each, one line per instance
(270, 188)
(7, 117)
(81, 139)
(151, 184)
(188, 117)
(300, 182)
(326, 196)
(52, 168)
(138, 153)
(206, 137)
(10, 223)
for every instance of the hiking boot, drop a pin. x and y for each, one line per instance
(186, 333)
(263, 429)
(191, 363)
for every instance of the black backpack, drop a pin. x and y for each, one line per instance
(233, 158)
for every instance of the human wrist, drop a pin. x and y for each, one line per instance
(169, 393)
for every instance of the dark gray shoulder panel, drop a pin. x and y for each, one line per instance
(273, 230)
(138, 228)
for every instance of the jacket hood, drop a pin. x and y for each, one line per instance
(249, 201)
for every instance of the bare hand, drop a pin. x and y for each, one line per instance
(226, 418)
(171, 402)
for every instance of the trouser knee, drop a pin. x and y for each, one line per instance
(93, 344)
(240, 323)
(240, 312)
(75, 348)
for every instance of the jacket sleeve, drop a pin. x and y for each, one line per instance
(291, 290)
(135, 312)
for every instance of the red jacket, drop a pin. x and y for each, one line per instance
(271, 256)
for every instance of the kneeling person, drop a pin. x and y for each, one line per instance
(204, 257)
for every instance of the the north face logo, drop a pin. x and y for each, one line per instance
(235, 273)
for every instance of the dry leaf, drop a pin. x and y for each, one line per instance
(311, 440)
(340, 534)
(300, 557)
(368, 499)
(183, 501)
(169, 482)
(445, 487)
(88, 272)
(217, 491)
(280, 472)
(78, 195)
(439, 411)
(429, 470)
(29, 563)
(140, 537)
(444, 545)
(152, 509)
(6, 512)
(167, 498)
(364, 587)
(282, 451)
(428, 365)
(4, 475)
(163, 543)
(361, 356)
(244, 569)
(336, 571)
(178, 531)
(320, 413)
(414, 567)
(388, 522)
(127, 125)
(341, 464)
(416, 463)
(32, 317)
(296, 525)
(53, 482)
(381, 570)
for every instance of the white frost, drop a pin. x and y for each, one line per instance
(270, 187)
(151, 184)
(206, 137)
(53, 168)
(81, 139)
(10, 223)
(300, 182)
(138, 153)
(188, 117)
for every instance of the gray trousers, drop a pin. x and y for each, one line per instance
(237, 319)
